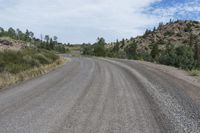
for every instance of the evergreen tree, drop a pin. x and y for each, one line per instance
(51, 44)
(55, 38)
(11, 33)
(27, 34)
(154, 29)
(131, 50)
(47, 38)
(1, 31)
(160, 24)
(87, 49)
(123, 42)
(116, 47)
(20, 34)
(99, 47)
(31, 35)
(155, 51)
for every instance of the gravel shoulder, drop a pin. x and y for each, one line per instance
(193, 91)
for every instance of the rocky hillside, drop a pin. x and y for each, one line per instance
(176, 33)
(7, 43)
(175, 43)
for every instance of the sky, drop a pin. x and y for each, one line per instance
(78, 21)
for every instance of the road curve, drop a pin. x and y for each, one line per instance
(89, 95)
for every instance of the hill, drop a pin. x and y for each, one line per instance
(174, 43)
(22, 56)
(16, 40)
(177, 33)
(6, 43)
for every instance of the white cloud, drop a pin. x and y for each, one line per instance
(178, 9)
(79, 20)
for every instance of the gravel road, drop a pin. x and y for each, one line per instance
(90, 95)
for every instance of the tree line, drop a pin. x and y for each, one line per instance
(49, 43)
(186, 56)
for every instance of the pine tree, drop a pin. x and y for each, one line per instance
(11, 33)
(155, 51)
(116, 47)
(131, 50)
(99, 47)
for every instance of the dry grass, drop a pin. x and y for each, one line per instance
(194, 73)
(7, 79)
(73, 47)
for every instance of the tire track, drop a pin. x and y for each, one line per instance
(99, 96)
(166, 103)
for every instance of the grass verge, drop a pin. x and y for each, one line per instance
(17, 66)
(194, 73)
(7, 79)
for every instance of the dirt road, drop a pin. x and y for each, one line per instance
(89, 95)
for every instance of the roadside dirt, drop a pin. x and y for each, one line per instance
(193, 91)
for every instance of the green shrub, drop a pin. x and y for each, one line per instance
(87, 49)
(155, 51)
(99, 47)
(178, 35)
(181, 57)
(16, 68)
(42, 59)
(17, 61)
(145, 56)
(131, 50)
(169, 33)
